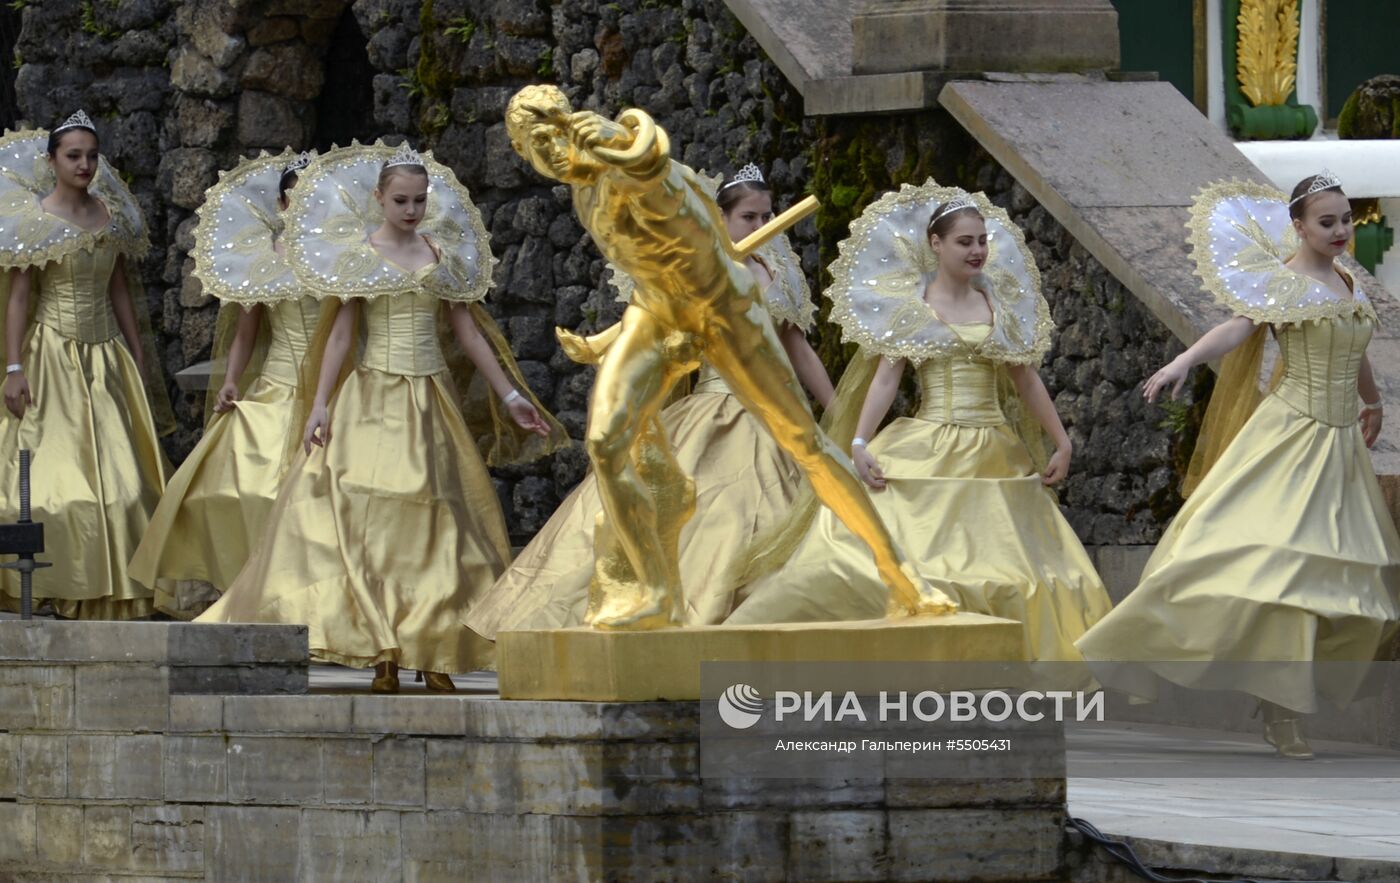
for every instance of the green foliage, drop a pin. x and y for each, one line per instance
(91, 25)
(545, 68)
(19, 60)
(18, 5)
(1176, 416)
(460, 29)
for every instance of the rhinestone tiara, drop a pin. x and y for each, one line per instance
(79, 120)
(749, 174)
(957, 203)
(404, 156)
(1323, 180)
(299, 162)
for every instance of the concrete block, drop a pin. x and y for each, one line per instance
(122, 697)
(167, 839)
(984, 845)
(563, 778)
(252, 843)
(903, 793)
(196, 714)
(9, 765)
(204, 644)
(448, 847)
(241, 679)
(410, 715)
(554, 721)
(274, 770)
(399, 777)
(43, 770)
(287, 714)
(61, 840)
(36, 697)
(50, 641)
(196, 769)
(847, 845)
(346, 845)
(91, 767)
(17, 820)
(115, 767)
(735, 793)
(107, 837)
(139, 767)
(651, 849)
(347, 771)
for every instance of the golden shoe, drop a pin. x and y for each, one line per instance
(386, 678)
(437, 682)
(1283, 729)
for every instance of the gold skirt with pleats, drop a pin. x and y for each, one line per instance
(218, 501)
(743, 483)
(967, 506)
(381, 541)
(97, 475)
(1285, 553)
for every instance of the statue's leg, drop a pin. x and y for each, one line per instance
(631, 387)
(743, 347)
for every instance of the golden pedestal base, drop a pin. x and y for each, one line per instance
(590, 665)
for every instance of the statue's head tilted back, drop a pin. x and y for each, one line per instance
(537, 120)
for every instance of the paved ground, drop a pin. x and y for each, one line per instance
(1231, 790)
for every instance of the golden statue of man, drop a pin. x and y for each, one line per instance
(693, 299)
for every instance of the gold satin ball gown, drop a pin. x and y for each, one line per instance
(1285, 552)
(380, 541)
(98, 469)
(966, 504)
(219, 500)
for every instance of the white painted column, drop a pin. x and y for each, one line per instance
(1309, 80)
(1215, 66)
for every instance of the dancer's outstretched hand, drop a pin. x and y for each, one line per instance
(1173, 375)
(526, 417)
(318, 429)
(868, 468)
(1057, 470)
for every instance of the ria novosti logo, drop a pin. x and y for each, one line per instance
(740, 706)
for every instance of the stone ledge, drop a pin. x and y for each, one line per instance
(172, 643)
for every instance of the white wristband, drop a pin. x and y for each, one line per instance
(14, 368)
(1371, 406)
(857, 442)
(512, 396)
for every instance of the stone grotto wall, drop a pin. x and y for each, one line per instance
(181, 89)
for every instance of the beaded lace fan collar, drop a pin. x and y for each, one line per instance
(788, 298)
(1241, 234)
(31, 236)
(885, 265)
(234, 254)
(333, 212)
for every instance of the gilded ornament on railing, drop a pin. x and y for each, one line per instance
(1266, 56)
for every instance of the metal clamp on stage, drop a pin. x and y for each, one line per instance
(24, 538)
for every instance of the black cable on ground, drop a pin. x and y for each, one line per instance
(1125, 854)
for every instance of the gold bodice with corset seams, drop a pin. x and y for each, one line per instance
(401, 335)
(291, 323)
(961, 388)
(1321, 361)
(74, 295)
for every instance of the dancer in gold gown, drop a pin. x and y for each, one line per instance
(387, 526)
(743, 480)
(1284, 554)
(218, 501)
(78, 354)
(958, 488)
